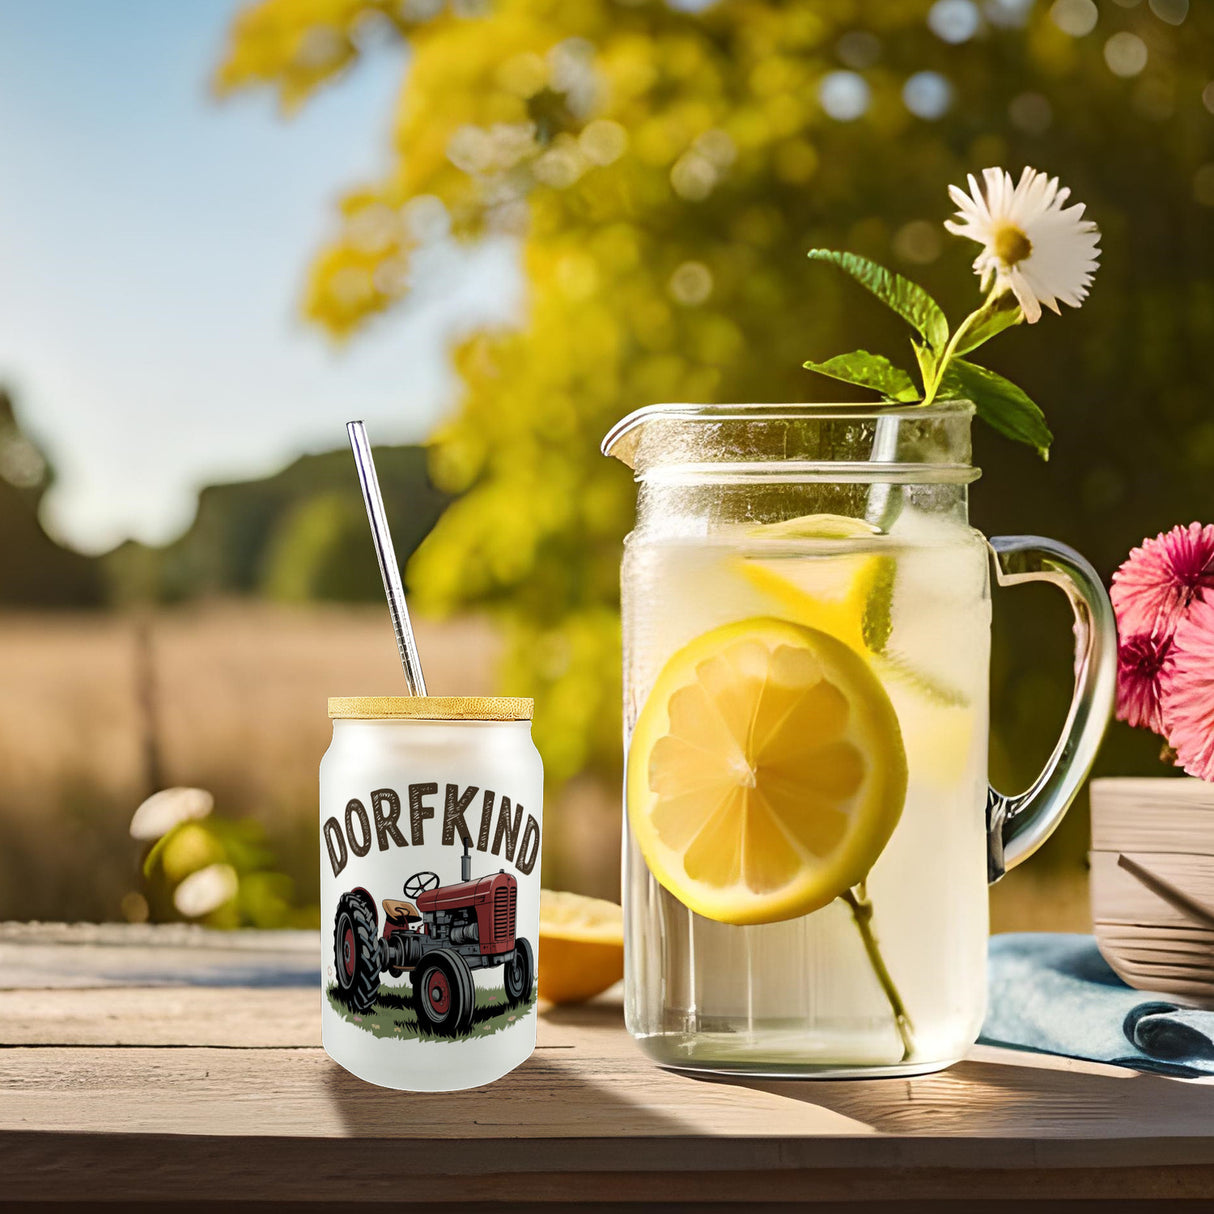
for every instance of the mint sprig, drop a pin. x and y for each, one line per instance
(869, 371)
(938, 349)
(1000, 403)
(907, 298)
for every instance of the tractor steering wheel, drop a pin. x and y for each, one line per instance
(419, 883)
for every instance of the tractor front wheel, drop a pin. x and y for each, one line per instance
(446, 994)
(519, 974)
(356, 952)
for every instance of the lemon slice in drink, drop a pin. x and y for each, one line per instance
(850, 596)
(766, 772)
(846, 595)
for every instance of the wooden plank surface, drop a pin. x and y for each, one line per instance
(47, 955)
(142, 1088)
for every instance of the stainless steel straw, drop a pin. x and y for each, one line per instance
(883, 507)
(386, 554)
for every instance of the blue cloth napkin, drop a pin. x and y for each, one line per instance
(1054, 993)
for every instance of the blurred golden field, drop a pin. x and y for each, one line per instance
(98, 710)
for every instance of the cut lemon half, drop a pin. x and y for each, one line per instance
(766, 772)
(581, 946)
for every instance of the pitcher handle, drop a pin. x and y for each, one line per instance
(1017, 825)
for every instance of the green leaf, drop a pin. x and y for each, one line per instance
(869, 371)
(1002, 315)
(1000, 404)
(908, 299)
(927, 364)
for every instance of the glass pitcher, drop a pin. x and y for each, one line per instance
(809, 832)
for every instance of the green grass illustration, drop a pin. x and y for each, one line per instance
(394, 1013)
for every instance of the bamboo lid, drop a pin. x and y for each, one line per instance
(430, 708)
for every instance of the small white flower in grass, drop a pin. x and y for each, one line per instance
(1033, 246)
(168, 808)
(206, 890)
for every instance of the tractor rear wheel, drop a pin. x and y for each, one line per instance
(446, 994)
(356, 952)
(519, 973)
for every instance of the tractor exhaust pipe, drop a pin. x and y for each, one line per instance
(465, 864)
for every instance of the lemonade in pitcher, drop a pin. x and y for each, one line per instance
(808, 831)
(819, 706)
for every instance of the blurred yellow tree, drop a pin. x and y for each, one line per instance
(664, 168)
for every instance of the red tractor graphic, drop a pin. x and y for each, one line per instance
(438, 938)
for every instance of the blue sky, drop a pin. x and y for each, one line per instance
(153, 244)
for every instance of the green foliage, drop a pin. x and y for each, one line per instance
(37, 572)
(664, 172)
(319, 551)
(297, 47)
(992, 320)
(298, 535)
(260, 897)
(908, 299)
(867, 370)
(574, 668)
(999, 403)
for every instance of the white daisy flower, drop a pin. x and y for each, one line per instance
(1031, 245)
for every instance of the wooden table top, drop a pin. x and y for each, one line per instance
(172, 1063)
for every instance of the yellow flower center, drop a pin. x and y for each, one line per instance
(1011, 245)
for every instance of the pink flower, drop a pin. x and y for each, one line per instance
(1143, 664)
(1188, 700)
(1160, 581)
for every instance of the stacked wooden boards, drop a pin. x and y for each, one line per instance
(151, 1086)
(1153, 883)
